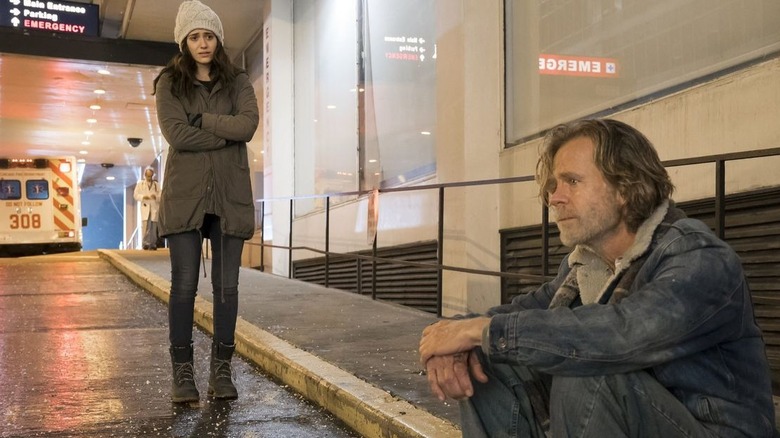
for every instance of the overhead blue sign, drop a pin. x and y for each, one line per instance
(50, 16)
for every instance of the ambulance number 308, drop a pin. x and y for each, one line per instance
(25, 221)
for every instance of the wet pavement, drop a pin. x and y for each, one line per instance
(354, 356)
(83, 353)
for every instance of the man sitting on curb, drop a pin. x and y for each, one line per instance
(647, 330)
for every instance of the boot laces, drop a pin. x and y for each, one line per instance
(184, 372)
(222, 369)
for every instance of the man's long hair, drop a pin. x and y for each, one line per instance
(182, 68)
(625, 157)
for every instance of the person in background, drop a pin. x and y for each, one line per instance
(647, 331)
(147, 192)
(207, 111)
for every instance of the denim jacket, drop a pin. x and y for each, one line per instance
(687, 319)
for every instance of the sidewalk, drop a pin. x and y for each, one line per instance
(354, 356)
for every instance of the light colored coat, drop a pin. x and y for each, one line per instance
(149, 207)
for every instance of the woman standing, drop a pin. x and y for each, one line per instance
(207, 111)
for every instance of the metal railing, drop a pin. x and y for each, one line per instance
(720, 209)
(720, 177)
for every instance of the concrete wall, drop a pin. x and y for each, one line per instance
(469, 123)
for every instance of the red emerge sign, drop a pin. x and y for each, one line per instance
(577, 66)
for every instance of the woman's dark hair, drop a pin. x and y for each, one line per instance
(625, 157)
(182, 68)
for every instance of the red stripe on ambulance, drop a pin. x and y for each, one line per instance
(64, 217)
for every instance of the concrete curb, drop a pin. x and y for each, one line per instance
(370, 411)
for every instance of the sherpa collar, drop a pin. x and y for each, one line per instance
(591, 277)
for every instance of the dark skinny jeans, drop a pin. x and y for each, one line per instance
(185, 250)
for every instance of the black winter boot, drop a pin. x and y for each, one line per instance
(221, 377)
(183, 389)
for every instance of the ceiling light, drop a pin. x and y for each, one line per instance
(88, 132)
(110, 178)
(94, 107)
(91, 120)
(103, 71)
(85, 143)
(81, 160)
(331, 106)
(425, 133)
(372, 161)
(83, 152)
(100, 91)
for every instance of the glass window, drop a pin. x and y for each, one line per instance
(37, 189)
(326, 133)
(568, 59)
(10, 189)
(364, 95)
(398, 92)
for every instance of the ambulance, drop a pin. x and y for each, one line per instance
(40, 206)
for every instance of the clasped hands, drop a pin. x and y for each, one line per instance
(448, 356)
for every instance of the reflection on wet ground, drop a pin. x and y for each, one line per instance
(83, 352)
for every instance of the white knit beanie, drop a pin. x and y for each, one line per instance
(195, 15)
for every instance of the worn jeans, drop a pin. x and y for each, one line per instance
(185, 250)
(618, 405)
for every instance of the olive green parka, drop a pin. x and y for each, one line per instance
(207, 169)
